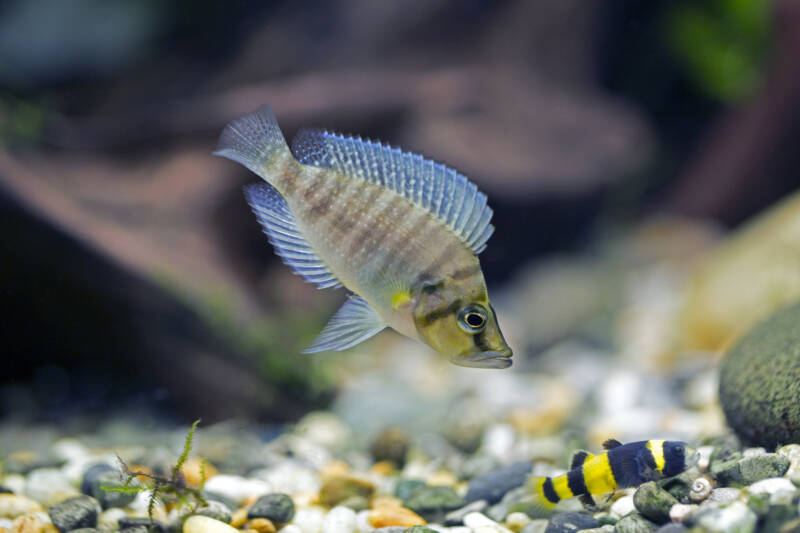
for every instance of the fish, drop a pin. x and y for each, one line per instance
(399, 231)
(619, 466)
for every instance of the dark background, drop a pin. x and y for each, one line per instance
(132, 274)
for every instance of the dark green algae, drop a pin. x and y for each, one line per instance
(760, 382)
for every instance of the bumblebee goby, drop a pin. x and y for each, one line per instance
(620, 466)
(399, 231)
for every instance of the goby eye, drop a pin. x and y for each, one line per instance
(472, 319)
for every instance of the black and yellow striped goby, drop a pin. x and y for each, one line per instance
(620, 466)
(401, 232)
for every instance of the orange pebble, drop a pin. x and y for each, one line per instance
(387, 515)
(384, 500)
(335, 468)
(197, 471)
(382, 468)
(239, 517)
(262, 525)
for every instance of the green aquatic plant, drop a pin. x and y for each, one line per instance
(173, 487)
(722, 44)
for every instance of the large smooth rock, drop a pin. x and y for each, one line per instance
(760, 382)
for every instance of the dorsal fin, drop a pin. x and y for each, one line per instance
(610, 444)
(281, 228)
(578, 459)
(355, 322)
(445, 193)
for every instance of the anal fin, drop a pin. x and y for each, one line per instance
(588, 501)
(355, 322)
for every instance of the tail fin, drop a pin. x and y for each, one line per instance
(252, 140)
(542, 506)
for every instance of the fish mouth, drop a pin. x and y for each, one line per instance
(499, 359)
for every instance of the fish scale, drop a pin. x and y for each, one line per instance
(400, 231)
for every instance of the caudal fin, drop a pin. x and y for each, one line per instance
(252, 140)
(542, 506)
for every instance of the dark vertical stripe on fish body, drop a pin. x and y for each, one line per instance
(371, 233)
(549, 491)
(624, 465)
(576, 481)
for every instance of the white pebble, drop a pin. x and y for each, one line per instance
(780, 489)
(309, 520)
(14, 505)
(480, 523)
(498, 441)
(109, 519)
(734, 517)
(622, 507)
(538, 525)
(724, 495)
(237, 488)
(204, 524)
(289, 477)
(704, 457)
(141, 505)
(516, 521)
(291, 528)
(49, 486)
(791, 452)
(15, 483)
(681, 511)
(6, 523)
(459, 529)
(362, 522)
(69, 449)
(753, 452)
(339, 520)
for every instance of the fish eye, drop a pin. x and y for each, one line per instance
(472, 319)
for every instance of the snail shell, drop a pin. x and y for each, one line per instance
(701, 488)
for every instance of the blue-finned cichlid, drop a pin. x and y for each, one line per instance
(401, 232)
(620, 466)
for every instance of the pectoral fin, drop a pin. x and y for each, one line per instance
(353, 323)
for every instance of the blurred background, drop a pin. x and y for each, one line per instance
(610, 136)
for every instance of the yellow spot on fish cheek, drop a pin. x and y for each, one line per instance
(400, 298)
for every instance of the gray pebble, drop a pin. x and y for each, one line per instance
(493, 485)
(426, 500)
(653, 502)
(758, 467)
(276, 507)
(726, 472)
(634, 523)
(672, 528)
(735, 517)
(135, 524)
(456, 518)
(570, 522)
(405, 487)
(724, 495)
(216, 510)
(74, 513)
(98, 483)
